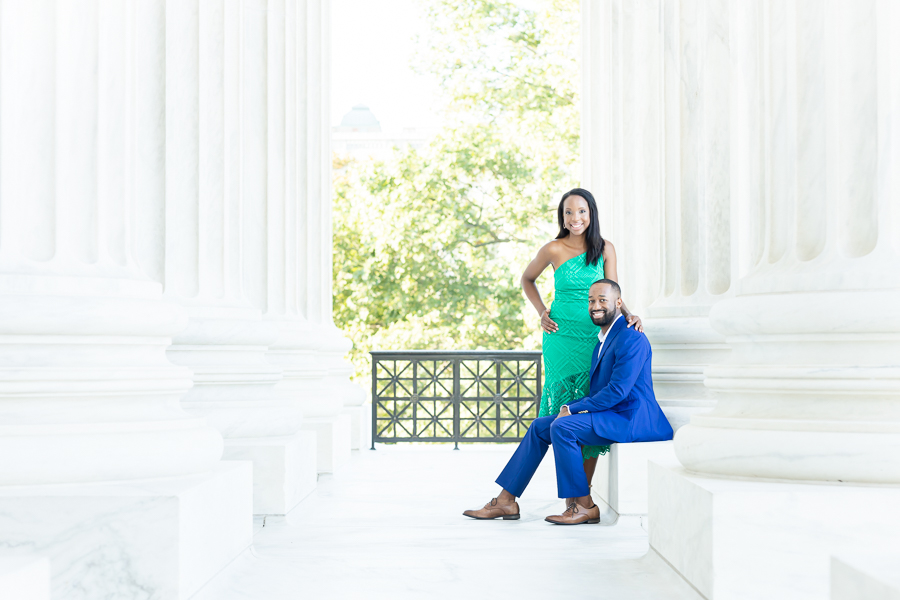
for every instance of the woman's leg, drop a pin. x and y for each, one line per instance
(589, 466)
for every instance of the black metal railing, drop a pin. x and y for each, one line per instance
(454, 396)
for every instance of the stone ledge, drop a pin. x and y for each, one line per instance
(865, 577)
(742, 538)
(620, 481)
(284, 469)
(152, 538)
(360, 426)
(333, 446)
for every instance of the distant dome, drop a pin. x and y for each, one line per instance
(360, 119)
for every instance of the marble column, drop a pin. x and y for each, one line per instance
(316, 276)
(807, 422)
(283, 187)
(656, 155)
(656, 117)
(93, 431)
(226, 340)
(695, 227)
(810, 390)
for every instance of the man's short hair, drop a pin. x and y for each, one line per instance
(610, 283)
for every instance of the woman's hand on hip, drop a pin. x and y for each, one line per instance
(548, 324)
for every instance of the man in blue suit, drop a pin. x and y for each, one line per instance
(621, 408)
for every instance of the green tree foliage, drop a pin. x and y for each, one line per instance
(430, 244)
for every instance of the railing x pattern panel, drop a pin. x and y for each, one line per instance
(454, 396)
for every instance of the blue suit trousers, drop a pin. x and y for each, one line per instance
(568, 435)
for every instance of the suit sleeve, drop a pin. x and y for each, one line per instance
(630, 360)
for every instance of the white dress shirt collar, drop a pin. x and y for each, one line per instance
(602, 336)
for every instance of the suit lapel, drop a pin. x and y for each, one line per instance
(594, 361)
(617, 326)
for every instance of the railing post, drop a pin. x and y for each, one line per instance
(497, 395)
(374, 399)
(457, 400)
(414, 398)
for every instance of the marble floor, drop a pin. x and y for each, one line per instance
(389, 526)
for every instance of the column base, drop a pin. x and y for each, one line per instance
(620, 480)
(25, 577)
(360, 426)
(333, 441)
(284, 469)
(736, 539)
(161, 538)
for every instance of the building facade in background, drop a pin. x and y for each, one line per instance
(360, 136)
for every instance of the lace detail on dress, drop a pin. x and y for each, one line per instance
(567, 353)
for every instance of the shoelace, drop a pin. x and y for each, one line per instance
(573, 508)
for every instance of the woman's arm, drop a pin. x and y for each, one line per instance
(529, 277)
(610, 272)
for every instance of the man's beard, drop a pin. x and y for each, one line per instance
(605, 320)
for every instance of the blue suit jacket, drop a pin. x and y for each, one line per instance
(621, 402)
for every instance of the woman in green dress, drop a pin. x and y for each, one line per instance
(579, 256)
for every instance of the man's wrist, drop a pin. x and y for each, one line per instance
(573, 408)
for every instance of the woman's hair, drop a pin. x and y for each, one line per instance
(592, 237)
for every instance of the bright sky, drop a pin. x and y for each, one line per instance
(372, 49)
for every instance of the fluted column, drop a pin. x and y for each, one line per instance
(283, 42)
(315, 208)
(226, 341)
(696, 255)
(88, 393)
(100, 467)
(281, 133)
(811, 388)
(656, 126)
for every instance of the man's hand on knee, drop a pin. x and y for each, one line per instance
(563, 412)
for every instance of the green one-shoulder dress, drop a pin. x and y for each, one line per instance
(567, 352)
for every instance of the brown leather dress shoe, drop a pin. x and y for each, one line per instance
(492, 510)
(576, 515)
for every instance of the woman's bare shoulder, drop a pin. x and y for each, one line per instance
(547, 255)
(551, 249)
